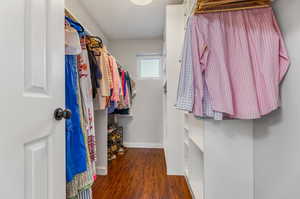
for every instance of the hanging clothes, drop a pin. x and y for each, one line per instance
(76, 26)
(123, 106)
(82, 182)
(86, 194)
(116, 80)
(75, 147)
(96, 74)
(92, 80)
(105, 82)
(242, 59)
(87, 99)
(80, 185)
(185, 92)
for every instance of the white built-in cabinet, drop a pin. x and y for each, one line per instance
(216, 157)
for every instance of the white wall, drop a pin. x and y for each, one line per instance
(77, 9)
(145, 128)
(277, 137)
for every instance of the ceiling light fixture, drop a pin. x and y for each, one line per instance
(141, 2)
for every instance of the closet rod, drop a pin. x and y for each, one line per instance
(208, 6)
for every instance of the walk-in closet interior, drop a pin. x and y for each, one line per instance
(219, 103)
(150, 99)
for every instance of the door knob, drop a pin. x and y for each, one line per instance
(60, 113)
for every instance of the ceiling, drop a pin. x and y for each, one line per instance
(121, 19)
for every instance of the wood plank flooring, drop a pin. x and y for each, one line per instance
(140, 174)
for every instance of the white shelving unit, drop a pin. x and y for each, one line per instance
(195, 175)
(194, 155)
(124, 116)
(216, 157)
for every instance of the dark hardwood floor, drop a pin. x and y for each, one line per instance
(140, 174)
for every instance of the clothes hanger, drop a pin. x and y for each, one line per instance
(68, 27)
(208, 6)
(75, 25)
(98, 40)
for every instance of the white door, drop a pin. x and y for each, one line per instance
(32, 143)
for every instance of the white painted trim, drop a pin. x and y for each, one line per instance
(189, 186)
(102, 171)
(175, 173)
(143, 145)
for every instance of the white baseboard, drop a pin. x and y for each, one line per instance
(175, 172)
(189, 186)
(143, 145)
(102, 171)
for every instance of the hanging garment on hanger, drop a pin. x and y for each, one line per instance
(86, 89)
(96, 74)
(108, 81)
(93, 45)
(123, 106)
(86, 194)
(127, 96)
(117, 87)
(72, 40)
(129, 86)
(185, 92)
(87, 98)
(122, 102)
(208, 110)
(77, 26)
(82, 183)
(128, 80)
(103, 93)
(75, 147)
(76, 135)
(244, 59)
(112, 107)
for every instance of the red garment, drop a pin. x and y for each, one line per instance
(123, 83)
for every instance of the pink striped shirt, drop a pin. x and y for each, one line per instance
(243, 58)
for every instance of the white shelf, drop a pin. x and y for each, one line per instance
(196, 132)
(197, 141)
(119, 115)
